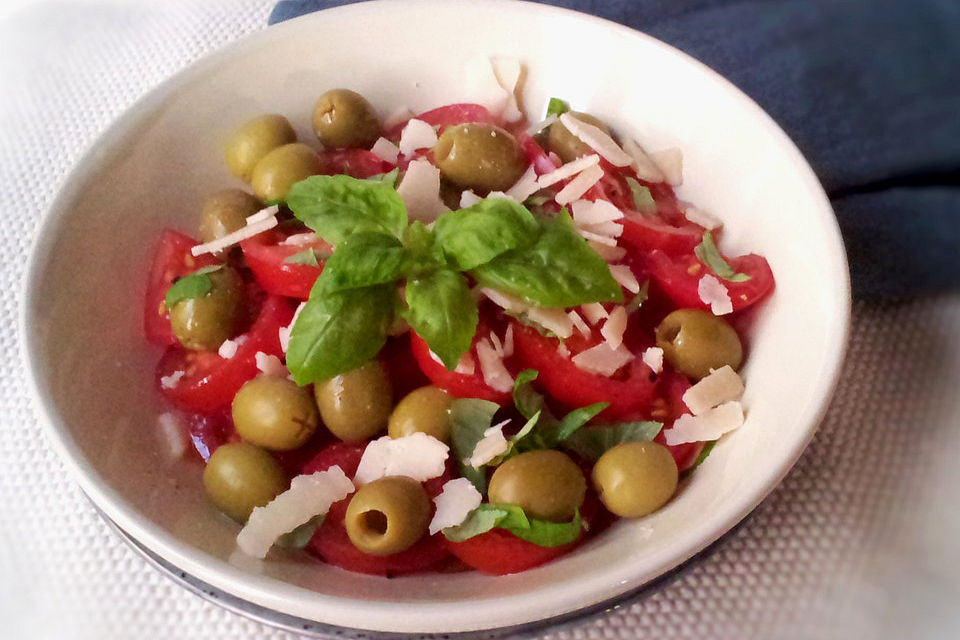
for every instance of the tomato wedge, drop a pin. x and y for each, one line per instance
(499, 552)
(209, 382)
(679, 277)
(266, 254)
(358, 163)
(649, 233)
(171, 261)
(672, 387)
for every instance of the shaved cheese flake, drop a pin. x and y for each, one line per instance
(526, 186)
(594, 312)
(712, 292)
(492, 444)
(718, 387)
(417, 134)
(565, 171)
(610, 229)
(171, 381)
(563, 350)
(468, 198)
(231, 239)
(700, 217)
(505, 300)
(597, 139)
(613, 328)
(602, 359)
(552, 319)
(653, 358)
(420, 191)
(228, 348)
(507, 71)
(418, 456)
(543, 124)
(608, 253)
(501, 194)
(623, 275)
(494, 372)
(308, 496)
(579, 185)
(508, 341)
(483, 87)
(172, 433)
(454, 503)
(644, 167)
(270, 364)
(466, 366)
(707, 426)
(263, 214)
(596, 237)
(578, 323)
(497, 345)
(587, 212)
(670, 163)
(284, 332)
(386, 150)
(299, 239)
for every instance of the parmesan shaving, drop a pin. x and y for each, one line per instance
(608, 253)
(565, 171)
(269, 364)
(172, 433)
(505, 300)
(417, 134)
(543, 124)
(453, 504)
(587, 212)
(551, 319)
(613, 328)
(418, 456)
(594, 312)
(263, 214)
(670, 163)
(700, 217)
(233, 238)
(386, 150)
(468, 198)
(595, 138)
(578, 323)
(299, 239)
(624, 276)
(707, 426)
(720, 386)
(579, 185)
(597, 237)
(653, 358)
(420, 191)
(563, 350)
(526, 186)
(284, 332)
(602, 359)
(643, 166)
(497, 345)
(466, 366)
(491, 445)
(508, 341)
(494, 372)
(712, 292)
(171, 381)
(308, 496)
(610, 229)
(228, 348)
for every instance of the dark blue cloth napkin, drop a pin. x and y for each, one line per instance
(868, 89)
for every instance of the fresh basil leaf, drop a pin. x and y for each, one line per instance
(478, 234)
(637, 301)
(709, 255)
(558, 270)
(525, 398)
(443, 313)
(363, 259)
(420, 240)
(482, 519)
(336, 206)
(389, 177)
(643, 200)
(549, 534)
(707, 448)
(339, 330)
(307, 256)
(515, 443)
(594, 442)
(557, 107)
(577, 418)
(194, 285)
(512, 518)
(549, 431)
(469, 419)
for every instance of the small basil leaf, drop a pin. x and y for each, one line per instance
(512, 518)
(478, 234)
(594, 442)
(482, 519)
(637, 301)
(389, 177)
(556, 107)
(709, 255)
(549, 534)
(339, 330)
(307, 256)
(642, 198)
(577, 418)
(558, 270)
(469, 419)
(443, 313)
(336, 206)
(525, 398)
(549, 431)
(707, 448)
(364, 259)
(194, 285)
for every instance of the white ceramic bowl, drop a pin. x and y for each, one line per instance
(92, 372)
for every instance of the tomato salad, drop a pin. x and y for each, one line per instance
(459, 341)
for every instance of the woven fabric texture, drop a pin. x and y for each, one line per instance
(860, 540)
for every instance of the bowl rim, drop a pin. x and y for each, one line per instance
(392, 616)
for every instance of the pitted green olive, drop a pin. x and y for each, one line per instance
(635, 478)
(255, 139)
(425, 410)
(203, 323)
(547, 484)
(240, 476)
(388, 515)
(565, 144)
(343, 118)
(226, 211)
(281, 169)
(274, 413)
(695, 341)
(479, 156)
(355, 405)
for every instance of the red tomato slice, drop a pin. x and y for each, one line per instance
(629, 394)
(171, 260)
(358, 163)
(672, 387)
(679, 277)
(209, 382)
(266, 256)
(445, 116)
(461, 385)
(647, 234)
(402, 368)
(499, 552)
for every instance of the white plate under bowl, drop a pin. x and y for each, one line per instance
(92, 373)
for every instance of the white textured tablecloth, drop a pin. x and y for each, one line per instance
(862, 540)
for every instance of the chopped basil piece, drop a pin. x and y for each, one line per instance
(707, 448)
(593, 442)
(556, 107)
(512, 518)
(307, 256)
(642, 198)
(637, 301)
(709, 254)
(194, 285)
(548, 432)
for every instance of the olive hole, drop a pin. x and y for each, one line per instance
(375, 522)
(671, 333)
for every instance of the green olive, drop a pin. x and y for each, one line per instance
(257, 137)
(635, 478)
(274, 413)
(425, 410)
(565, 144)
(547, 484)
(387, 515)
(355, 405)
(203, 323)
(281, 169)
(479, 156)
(240, 476)
(226, 211)
(344, 118)
(695, 341)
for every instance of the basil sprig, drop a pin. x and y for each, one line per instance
(194, 285)
(497, 242)
(709, 254)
